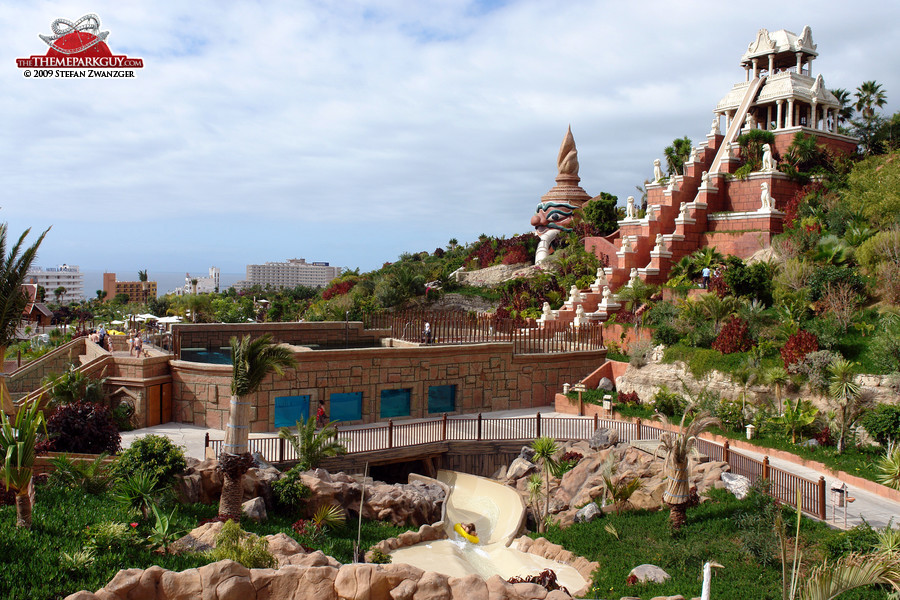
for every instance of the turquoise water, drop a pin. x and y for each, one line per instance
(214, 356)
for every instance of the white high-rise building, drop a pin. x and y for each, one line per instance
(290, 274)
(205, 285)
(51, 278)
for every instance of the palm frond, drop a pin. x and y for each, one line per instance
(849, 572)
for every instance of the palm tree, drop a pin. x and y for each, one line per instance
(846, 112)
(13, 269)
(705, 257)
(312, 446)
(678, 446)
(676, 154)
(544, 449)
(17, 451)
(59, 293)
(777, 377)
(869, 96)
(851, 571)
(846, 393)
(252, 360)
(718, 309)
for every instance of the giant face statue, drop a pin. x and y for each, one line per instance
(549, 219)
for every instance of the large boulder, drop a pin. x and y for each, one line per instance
(255, 509)
(588, 513)
(606, 384)
(736, 484)
(649, 573)
(604, 437)
(520, 468)
(202, 482)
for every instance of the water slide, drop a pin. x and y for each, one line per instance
(498, 513)
(737, 122)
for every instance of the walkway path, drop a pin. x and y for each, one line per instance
(876, 510)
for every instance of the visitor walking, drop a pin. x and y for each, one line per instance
(138, 345)
(705, 284)
(426, 335)
(321, 417)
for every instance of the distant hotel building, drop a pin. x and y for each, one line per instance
(290, 274)
(67, 276)
(205, 285)
(134, 289)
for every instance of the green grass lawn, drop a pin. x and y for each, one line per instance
(31, 563)
(724, 530)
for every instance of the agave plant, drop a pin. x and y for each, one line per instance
(888, 467)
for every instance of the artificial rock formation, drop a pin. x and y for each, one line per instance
(413, 503)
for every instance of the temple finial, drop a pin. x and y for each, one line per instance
(567, 161)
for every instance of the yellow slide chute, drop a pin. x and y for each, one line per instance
(458, 529)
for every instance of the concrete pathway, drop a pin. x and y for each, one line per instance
(877, 511)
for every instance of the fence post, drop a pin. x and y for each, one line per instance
(538, 426)
(596, 421)
(206, 441)
(444, 428)
(280, 449)
(726, 454)
(765, 472)
(822, 498)
(637, 427)
(390, 433)
(479, 426)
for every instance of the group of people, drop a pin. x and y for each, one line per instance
(135, 343)
(102, 338)
(706, 274)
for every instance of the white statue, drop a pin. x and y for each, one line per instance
(632, 277)
(673, 183)
(660, 243)
(599, 280)
(683, 214)
(714, 128)
(704, 180)
(729, 150)
(657, 171)
(748, 122)
(698, 153)
(629, 209)
(651, 212)
(765, 198)
(606, 294)
(546, 313)
(626, 244)
(768, 162)
(574, 295)
(579, 316)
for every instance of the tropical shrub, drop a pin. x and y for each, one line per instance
(289, 490)
(248, 549)
(629, 399)
(90, 476)
(137, 491)
(815, 367)
(734, 337)
(883, 423)
(860, 539)
(74, 386)
(888, 467)
(668, 403)
(155, 455)
(797, 346)
(83, 427)
(825, 275)
(751, 281)
(377, 557)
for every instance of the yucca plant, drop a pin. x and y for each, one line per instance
(329, 516)
(17, 440)
(678, 446)
(534, 485)
(138, 492)
(544, 449)
(846, 393)
(888, 467)
(617, 489)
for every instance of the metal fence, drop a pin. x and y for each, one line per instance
(385, 436)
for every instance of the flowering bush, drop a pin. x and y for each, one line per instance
(798, 345)
(734, 337)
(338, 288)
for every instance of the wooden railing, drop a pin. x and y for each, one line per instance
(386, 436)
(450, 328)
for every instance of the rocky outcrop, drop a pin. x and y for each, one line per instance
(413, 503)
(228, 580)
(426, 533)
(584, 483)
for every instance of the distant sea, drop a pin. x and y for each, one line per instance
(166, 281)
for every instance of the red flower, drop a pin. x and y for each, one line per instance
(133, 525)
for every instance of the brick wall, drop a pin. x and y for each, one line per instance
(742, 245)
(488, 377)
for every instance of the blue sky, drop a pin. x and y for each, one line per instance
(353, 131)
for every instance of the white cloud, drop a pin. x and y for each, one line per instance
(352, 131)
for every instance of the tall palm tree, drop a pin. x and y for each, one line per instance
(17, 442)
(13, 269)
(678, 447)
(869, 96)
(843, 390)
(252, 360)
(544, 449)
(312, 446)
